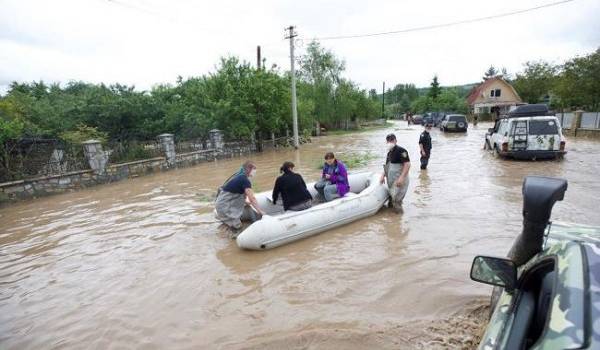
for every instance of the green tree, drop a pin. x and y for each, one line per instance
(490, 73)
(434, 90)
(404, 103)
(578, 84)
(536, 81)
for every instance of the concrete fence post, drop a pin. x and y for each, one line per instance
(95, 155)
(576, 122)
(167, 143)
(216, 139)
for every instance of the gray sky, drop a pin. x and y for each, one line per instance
(144, 42)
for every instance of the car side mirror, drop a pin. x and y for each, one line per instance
(495, 271)
(490, 130)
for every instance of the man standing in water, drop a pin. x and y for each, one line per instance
(231, 200)
(396, 168)
(425, 146)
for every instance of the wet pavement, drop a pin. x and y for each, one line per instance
(143, 264)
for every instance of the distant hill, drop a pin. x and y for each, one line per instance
(463, 90)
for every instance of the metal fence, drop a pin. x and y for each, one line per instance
(31, 157)
(121, 152)
(589, 120)
(185, 146)
(28, 158)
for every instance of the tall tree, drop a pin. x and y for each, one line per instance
(578, 85)
(434, 90)
(490, 73)
(536, 81)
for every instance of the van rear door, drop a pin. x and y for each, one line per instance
(543, 134)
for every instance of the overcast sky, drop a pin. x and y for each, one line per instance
(145, 42)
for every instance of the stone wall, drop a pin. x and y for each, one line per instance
(102, 173)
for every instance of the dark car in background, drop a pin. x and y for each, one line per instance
(433, 118)
(454, 122)
(417, 119)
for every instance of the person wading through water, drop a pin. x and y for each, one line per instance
(232, 198)
(396, 168)
(425, 146)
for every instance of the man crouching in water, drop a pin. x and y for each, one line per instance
(396, 168)
(231, 200)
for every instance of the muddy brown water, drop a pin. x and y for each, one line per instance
(142, 263)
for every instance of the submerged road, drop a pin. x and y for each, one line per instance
(142, 263)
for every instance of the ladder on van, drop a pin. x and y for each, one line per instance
(520, 135)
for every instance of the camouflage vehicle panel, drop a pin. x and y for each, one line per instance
(592, 252)
(575, 250)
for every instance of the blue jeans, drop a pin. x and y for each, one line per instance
(327, 190)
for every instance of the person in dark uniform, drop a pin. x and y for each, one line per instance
(395, 170)
(425, 146)
(292, 188)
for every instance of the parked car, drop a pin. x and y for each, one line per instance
(547, 293)
(434, 118)
(527, 132)
(454, 122)
(427, 120)
(417, 119)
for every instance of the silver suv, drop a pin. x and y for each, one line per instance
(528, 132)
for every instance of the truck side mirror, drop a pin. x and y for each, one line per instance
(495, 271)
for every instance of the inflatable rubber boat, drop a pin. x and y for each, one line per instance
(280, 227)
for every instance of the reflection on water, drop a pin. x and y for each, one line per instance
(142, 263)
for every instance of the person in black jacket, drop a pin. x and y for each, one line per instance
(425, 146)
(292, 188)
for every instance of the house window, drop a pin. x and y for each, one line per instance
(497, 92)
(492, 93)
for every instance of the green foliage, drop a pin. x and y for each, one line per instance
(435, 89)
(12, 122)
(358, 160)
(448, 100)
(83, 133)
(325, 96)
(574, 84)
(578, 83)
(490, 73)
(535, 82)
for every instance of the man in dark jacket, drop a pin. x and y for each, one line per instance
(292, 188)
(425, 146)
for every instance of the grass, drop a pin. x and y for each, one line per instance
(353, 161)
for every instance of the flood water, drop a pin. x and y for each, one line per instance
(142, 263)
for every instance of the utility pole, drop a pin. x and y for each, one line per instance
(291, 34)
(258, 57)
(259, 142)
(383, 102)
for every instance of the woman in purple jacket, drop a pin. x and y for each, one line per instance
(334, 179)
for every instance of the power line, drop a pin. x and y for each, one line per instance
(449, 24)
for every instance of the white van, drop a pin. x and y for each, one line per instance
(528, 132)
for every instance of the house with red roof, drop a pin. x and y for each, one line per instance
(493, 96)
